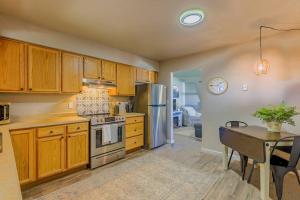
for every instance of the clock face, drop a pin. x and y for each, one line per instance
(217, 85)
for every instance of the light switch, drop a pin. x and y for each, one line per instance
(244, 87)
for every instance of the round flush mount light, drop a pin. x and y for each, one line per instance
(191, 17)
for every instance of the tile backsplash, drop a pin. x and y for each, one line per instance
(93, 100)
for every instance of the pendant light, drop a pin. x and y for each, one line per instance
(263, 65)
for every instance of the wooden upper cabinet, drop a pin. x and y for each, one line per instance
(109, 71)
(142, 75)
(72, 72)
(92, 68)
(51, 155)
(44, 69)
(23, 145)
(153, 77)
(12, 65)
(126, 76)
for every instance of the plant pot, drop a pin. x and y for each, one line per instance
(274, 127)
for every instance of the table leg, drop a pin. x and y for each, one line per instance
(225, 157)
(265, 175)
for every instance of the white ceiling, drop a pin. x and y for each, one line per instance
(150, 28)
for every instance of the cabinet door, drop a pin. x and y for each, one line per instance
(72, 72)
(24, 150)
(92, 68)
(50, 156)
(77, 149)
(153, 77)
(126, 76)
(109, 71)
(142, 75)
(12, 65)
(43, 69)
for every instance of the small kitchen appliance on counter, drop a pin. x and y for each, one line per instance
(4, 113)
(121, 108)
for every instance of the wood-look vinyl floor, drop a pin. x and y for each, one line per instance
(186, 172)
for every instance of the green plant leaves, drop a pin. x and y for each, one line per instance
(279, 113)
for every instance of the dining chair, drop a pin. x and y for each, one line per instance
(279, 166)
(243, 158)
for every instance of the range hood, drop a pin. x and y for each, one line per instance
(99, 82)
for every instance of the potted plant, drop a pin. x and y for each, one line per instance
(275, 116)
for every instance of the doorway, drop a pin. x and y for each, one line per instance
(186, 100)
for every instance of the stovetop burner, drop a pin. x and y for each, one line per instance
(99, 119)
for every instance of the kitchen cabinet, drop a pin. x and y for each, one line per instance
(12, 65)
(153, 77)
(77, 149)
(44, 69)
(142, 75)
(126, 76)
(109, 71)
(50, 153)
(46, 151)
(134, 132)
(72, 72)
(92, 68)
(24, 151)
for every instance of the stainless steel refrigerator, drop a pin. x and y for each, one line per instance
(151, 99)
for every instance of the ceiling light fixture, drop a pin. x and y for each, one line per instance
(262, 66)
(191, 17)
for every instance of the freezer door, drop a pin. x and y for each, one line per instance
(158, 126)
(157, 94)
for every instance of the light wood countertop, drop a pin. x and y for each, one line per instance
(9, 182)
(134, 114)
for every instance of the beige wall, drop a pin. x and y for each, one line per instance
(25, 105)
(16, 29)
(236, 65)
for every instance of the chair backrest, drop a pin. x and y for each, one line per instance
(295, 153)
(236, 124)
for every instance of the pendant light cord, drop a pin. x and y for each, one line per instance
(272, 28)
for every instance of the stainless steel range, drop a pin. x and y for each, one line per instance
(107, 139)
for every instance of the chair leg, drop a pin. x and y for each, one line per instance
(251, 172)
(279, 177)
(245, 163)
(230, 158)
(297, 175)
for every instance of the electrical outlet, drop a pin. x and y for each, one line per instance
(70, 105)
(244, 87)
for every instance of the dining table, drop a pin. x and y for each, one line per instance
(255, 142)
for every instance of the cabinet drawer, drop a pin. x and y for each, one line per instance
(134, 129)
(50, 131)
(77, 127)
(134, 142)
(130, 120)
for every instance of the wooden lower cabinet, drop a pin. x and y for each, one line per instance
(24, 150)
(46, 151)
(50, 156)
(134, 133)
(77, 149)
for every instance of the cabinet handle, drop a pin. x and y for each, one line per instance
(51, 132)
(30, 89)
(78, 127)
(62, 137)
(135, 130)
(21, 89)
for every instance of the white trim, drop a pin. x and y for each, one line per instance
(170, 141)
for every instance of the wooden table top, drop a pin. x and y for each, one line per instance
(260, 133)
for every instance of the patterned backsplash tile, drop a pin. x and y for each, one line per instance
(93, 101)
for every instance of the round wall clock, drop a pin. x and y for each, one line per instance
(217, 85)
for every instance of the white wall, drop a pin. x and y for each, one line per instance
(24, 105)
(236, 65)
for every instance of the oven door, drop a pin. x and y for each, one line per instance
(97, 145)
